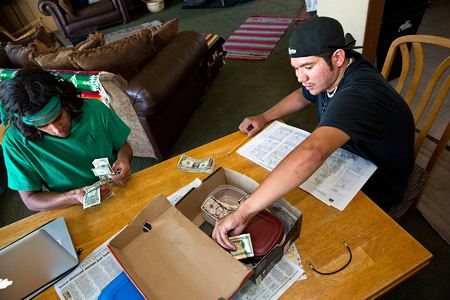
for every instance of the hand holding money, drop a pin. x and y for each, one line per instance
(122, 172)
(243, 244)
(102, 169)
(93, 194)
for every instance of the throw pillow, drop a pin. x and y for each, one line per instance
(66, 5)
(164, 34)
(18, 54)
(53, 58)
(94, 40)
(121, 57)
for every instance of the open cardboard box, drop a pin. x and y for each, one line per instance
(167, 255)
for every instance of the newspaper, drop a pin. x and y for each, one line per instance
(335, 183)
(285, 273)
(91, 276)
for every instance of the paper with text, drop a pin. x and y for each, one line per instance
(91, 276)
(282, 276)
(335, 183)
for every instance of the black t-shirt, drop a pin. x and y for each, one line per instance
(379, 123)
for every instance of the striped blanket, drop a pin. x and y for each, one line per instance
(256, 37)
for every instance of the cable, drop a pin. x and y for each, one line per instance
(338, 270)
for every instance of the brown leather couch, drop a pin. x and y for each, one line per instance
(73, 22)
(167, 89)
(158, 96)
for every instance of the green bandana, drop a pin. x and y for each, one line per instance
(45, 115)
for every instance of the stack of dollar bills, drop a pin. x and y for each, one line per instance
(189, 164)
(102, 168)
(244, 247)
(92, 195)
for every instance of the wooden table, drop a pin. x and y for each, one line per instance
(383, 253)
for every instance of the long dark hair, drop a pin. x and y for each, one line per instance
(30, 90)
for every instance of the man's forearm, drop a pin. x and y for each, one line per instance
(42, 201)
(125, 153)
(289, 104)
(296, 168)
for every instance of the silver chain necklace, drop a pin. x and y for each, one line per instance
(330, 95)
(324, 105)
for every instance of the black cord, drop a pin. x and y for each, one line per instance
(338, 270)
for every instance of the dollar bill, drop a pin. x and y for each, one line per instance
(91, 198)
(214, 210)
(102, 168)
(189, 164)
(243, 245)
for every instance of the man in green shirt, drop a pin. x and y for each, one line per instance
(54, 137)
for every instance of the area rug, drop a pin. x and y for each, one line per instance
(119, 34)
(256, 37)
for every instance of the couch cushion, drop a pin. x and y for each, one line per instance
(19, 55)
(121, 57)
(161, 78)
(58, 58)
(54, 58)
(164, 34)
(94, 40)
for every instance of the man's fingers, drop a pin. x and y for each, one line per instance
(222, 239)
(253, 131)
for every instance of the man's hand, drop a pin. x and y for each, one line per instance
(122, 171)
(78, 194)
(105, 191)
(234, 224)
(252, 125)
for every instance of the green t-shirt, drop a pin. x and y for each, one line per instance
(63, 164)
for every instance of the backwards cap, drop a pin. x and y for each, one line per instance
(317, 36)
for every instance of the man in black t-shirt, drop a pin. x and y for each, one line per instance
(358, 111)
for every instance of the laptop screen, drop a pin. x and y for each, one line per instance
(36, 260)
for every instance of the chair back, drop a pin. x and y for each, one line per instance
(411, 77)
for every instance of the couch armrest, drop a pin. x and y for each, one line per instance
(46, 7)
(158, 80)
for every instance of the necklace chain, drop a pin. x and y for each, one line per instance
(330, 95)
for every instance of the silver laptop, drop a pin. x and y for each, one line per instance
(35, 261)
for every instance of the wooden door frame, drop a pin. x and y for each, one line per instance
(372, 31)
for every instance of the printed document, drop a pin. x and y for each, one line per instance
(335, 183)
(91, 276)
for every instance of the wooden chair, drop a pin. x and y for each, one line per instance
(28, 30)
(434, 94)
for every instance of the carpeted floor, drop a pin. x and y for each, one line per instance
(244, 88)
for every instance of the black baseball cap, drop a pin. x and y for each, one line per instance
(317, 36)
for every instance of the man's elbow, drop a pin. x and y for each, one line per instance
(30, 203)
(313, 155)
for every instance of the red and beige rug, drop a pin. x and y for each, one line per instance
(256, 37)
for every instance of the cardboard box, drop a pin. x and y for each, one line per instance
(167, 255)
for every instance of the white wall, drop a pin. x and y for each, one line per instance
(352, 14)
